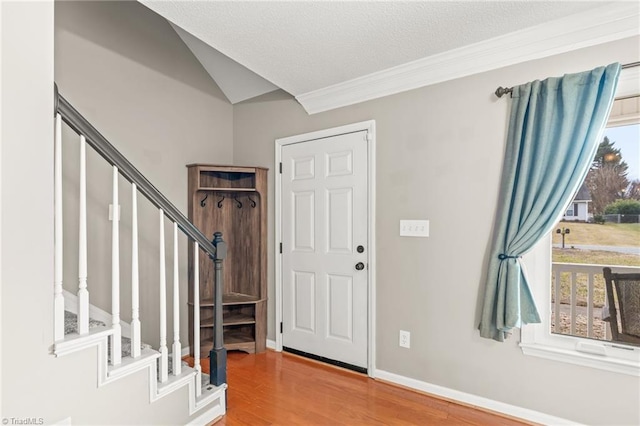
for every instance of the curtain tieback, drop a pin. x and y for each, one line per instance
(503, 256)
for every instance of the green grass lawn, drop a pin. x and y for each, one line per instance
(609, 234)
(594, 257)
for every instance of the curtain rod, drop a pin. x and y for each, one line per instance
(501, 91)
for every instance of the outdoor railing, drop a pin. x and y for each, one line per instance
(622, 218)
(578, 297)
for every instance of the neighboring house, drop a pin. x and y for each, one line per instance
(131, 75)
(578, 210)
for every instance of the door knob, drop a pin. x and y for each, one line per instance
(359, 266)
(360, 249)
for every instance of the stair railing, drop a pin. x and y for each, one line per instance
(215, 249)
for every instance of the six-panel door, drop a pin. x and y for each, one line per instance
(324, 220)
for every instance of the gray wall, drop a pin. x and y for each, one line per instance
(34, 382)
(439, 155)
(126, 70)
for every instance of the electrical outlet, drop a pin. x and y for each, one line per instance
(111, 212)
(414, 228)
(405, 339)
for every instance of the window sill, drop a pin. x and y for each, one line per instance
(573, 356)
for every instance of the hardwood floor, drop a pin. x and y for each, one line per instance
(282, 389)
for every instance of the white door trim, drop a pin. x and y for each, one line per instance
(370, 127)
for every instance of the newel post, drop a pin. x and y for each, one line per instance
(218, 355)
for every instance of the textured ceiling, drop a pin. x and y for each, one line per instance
(305, 46)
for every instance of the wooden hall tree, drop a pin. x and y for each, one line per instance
(232, 200)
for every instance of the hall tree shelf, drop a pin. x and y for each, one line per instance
(232, 200)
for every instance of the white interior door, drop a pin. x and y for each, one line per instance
(324, 254)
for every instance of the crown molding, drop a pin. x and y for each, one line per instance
(595, 26)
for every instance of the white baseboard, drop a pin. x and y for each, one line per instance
(477, 401)
(208, 416)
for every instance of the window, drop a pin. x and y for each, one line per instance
(582, 249)
(573, 306)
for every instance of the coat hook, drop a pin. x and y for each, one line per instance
(238, 203)
(202, 202)
(220, 202)
(253, 203)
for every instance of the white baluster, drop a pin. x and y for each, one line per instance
(58, 298)
(607, 324)
(83, 293)
(135, 293)
(116, 340)
(590, 298)
(196, 319)
(177, 349)
(574, 312)
(558, 295)
(164, 356)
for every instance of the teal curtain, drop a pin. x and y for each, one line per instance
(553, 135)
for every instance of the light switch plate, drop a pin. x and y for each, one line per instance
(111, 212)
(414, 228)
(405, 339)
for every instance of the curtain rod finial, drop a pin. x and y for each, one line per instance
(500, 91)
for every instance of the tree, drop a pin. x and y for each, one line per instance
(608, 155)
(633, 191)
(605, 185)
(607, 178)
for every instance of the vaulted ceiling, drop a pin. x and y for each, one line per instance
(329, 54)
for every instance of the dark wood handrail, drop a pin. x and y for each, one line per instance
(80, 125)
(216, 249)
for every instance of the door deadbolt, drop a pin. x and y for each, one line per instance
(359, 266)
(360, 249)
